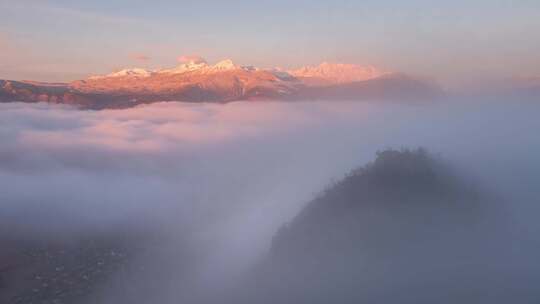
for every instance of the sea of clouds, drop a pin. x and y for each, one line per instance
(220, 179)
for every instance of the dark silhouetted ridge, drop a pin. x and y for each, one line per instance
(402, 229)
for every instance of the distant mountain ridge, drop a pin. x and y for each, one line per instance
(338, 72)
(197, 81)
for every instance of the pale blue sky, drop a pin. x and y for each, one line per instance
(453, 41)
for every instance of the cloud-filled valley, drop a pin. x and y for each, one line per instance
(211, 184)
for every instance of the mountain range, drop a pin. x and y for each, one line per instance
(198, 81)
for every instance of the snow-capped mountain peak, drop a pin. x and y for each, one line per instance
(202, 66)
(326, 72)
(226, 64)
(133, 72)
(186, 67)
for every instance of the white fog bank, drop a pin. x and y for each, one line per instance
(222, 178)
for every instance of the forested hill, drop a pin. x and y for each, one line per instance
(402, 229)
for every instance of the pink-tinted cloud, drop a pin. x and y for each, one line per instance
(191, 58)
(140, 57)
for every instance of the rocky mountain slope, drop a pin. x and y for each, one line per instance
(197, 81)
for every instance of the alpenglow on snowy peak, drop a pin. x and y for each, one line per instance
(202, 66)
(134, 72)
(332, 72)
(185, 67)
(194, 80)
(226, 64)
(189, 66)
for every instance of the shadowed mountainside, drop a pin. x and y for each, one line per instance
(403, 229)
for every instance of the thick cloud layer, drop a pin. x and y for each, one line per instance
(220, 179)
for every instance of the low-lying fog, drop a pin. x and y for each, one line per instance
(216, 181)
